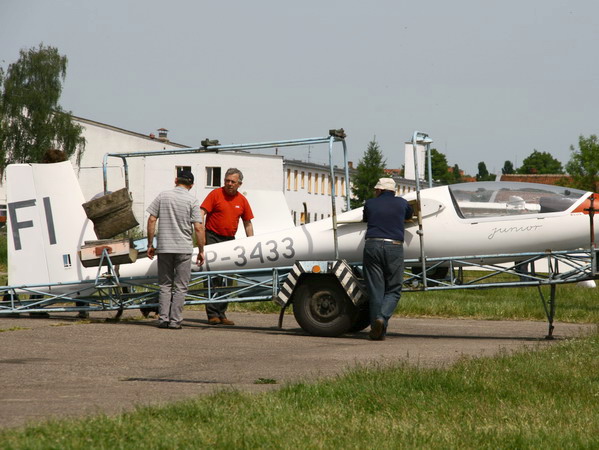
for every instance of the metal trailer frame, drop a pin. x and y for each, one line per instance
(109, 292)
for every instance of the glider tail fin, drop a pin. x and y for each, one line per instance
(46, 224)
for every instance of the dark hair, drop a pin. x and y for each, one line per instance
(53, 155)
(185, 177)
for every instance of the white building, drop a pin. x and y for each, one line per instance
(308, 189)
(281, 192)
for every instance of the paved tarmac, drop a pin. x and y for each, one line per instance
(62, 367)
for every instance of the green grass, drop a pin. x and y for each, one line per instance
(573, 304)
(534, 399)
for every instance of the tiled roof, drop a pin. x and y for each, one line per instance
(536, 178)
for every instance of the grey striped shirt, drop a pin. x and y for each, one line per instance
(176, 211)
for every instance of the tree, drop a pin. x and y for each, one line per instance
(441, 170)
(508, 168)
(370, 168)
(540, 163)
(584, 163)
(483, 174)
(457, 174)
(31, 120)
(439, 166)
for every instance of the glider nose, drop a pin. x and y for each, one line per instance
(590, 205)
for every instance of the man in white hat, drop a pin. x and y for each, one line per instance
(383, 253)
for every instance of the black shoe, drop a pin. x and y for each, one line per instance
(163, 325)
(377, 330)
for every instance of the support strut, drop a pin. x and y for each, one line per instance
(549, 307)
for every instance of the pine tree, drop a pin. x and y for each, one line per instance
(508, 168)
(31, 120)
(370, 168)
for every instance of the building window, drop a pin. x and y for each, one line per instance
(322, 180)
(303, 180)
(288, 179)
(213, 177)
(309, 182)
(337, 186)
(316, 183)
(295, 180)
(315, 217)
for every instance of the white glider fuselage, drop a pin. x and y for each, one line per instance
(446, 234)
(47, 227)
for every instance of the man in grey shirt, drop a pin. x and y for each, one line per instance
(180, 218)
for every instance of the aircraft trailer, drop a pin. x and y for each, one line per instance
(465, 236)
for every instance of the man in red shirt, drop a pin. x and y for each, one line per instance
(221, 210)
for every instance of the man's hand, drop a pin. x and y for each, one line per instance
(200, 260)
(151, 252)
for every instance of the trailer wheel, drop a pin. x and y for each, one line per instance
(362, 319)
(322, 308)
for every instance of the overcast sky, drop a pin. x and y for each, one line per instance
(488, 81)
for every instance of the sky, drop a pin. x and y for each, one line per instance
(487, 81)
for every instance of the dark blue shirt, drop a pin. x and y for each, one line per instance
(386, 215)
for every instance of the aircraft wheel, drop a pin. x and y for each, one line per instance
(322, 308)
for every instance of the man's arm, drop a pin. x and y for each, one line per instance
(200, 233)
(249, 228)
(204, 213)
(151, 231)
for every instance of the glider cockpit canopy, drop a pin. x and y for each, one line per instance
(495, 198)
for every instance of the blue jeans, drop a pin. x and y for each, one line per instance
(383, 273)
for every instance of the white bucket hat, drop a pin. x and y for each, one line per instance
(386, 184)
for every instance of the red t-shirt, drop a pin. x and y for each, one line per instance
(224, 211)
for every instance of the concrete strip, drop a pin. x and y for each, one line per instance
(61, 367)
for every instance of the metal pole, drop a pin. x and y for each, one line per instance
(430, 165)
(347, 189)
(333, 206)
(420, 231)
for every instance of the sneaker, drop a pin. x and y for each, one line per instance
(226, 321)
(214, 321)
(175, 327)
(377, 330)
(162, 324)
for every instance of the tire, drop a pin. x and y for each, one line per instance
(362, 319)
(322, 308)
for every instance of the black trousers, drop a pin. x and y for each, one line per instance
(216, 309)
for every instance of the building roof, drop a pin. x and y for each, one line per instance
(149, 137)
(536, 178)
(313, 166)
